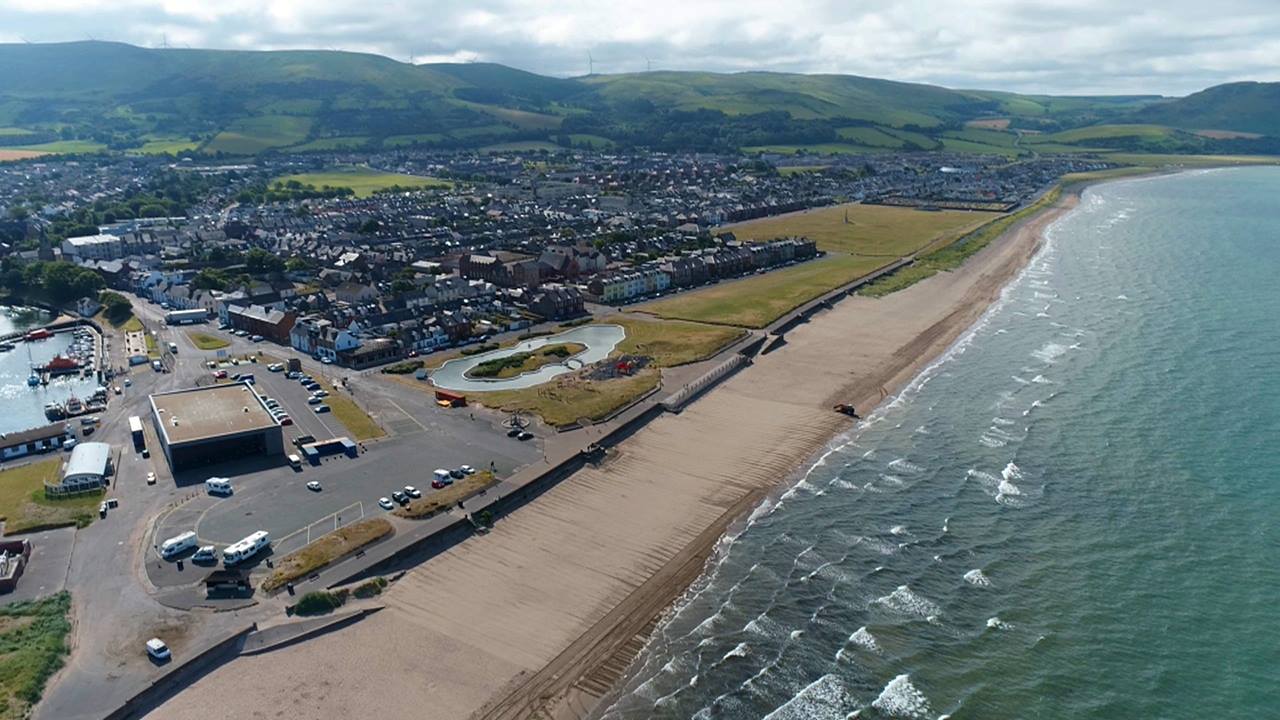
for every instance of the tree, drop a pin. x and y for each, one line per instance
(115, 306)
(259, 261)
(298, 264)
(210, 279)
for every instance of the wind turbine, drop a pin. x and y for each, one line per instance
(591, 64)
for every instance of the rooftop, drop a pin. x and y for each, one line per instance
(208, 412)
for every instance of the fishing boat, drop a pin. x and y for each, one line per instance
(73, 406)
(54, 411)
(33, 379)
(38, 334)
(6, 347)
(62, 365)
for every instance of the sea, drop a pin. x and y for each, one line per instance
(1074, 513)
(22, 406)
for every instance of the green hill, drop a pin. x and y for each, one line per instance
(88, 95)
(1246, 107)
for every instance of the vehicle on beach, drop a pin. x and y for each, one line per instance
(158, 650)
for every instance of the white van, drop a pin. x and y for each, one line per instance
(242, 550)
(218, 486)
(295, 461)
(175, 545)
(443, 476)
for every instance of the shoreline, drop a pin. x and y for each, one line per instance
(545, 614)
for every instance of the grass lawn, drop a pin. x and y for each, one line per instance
(205, 341)
(521, 363)
(1152, 160)
(672, 342)
(954, 254)
(872, 229)
(364, 181)
(153, 347)
(356, 420)
(758, 300)
(801, 169)
(436, 500)
(331, 547)
(25, 508)
(522, 146)
(33, 645)
(568, 398)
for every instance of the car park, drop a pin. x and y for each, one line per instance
(412, 491)
(313, 486)
(385, 503)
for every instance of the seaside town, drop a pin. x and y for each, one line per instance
(287, 381)
(516, 239)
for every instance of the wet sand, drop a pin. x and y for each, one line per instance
(541, 616)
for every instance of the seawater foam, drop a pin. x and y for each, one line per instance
(1050, 352)
(902, 699)
(996, 623)
(904, 465)
(863, 638)
(823, 699)
(741, 650)
(905, 602)
(977, 578)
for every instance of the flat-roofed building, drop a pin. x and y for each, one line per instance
(207, 425)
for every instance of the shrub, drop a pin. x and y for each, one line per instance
(403, 368)
(480, 349)
(320, 602)
(371, 588)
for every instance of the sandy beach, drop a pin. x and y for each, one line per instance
(541, 616)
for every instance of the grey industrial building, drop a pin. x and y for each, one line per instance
(207, 425)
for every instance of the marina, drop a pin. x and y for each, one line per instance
(46, 374)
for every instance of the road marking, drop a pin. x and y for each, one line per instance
(406, 414)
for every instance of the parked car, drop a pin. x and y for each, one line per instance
(220, 375)
(102, 510)
(151, 478)
(322, 408)
(158, 650)
(242, 333)
(467, 469)
(286, 420)
(437, 483)
(117, 389)
(313, 400)
(128, 382)
(275, 367)
(385, 503)
(457, 473)
(314, 486)
(400, 497)
(412, 491)
(321, 393)
(525, 435)
(206, 553)
(256, 338)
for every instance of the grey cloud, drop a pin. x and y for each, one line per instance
(1042, 46)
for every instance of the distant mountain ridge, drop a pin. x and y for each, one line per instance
(95, 94)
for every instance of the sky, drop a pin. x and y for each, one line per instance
(1170, 47)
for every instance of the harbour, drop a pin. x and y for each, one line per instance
(47, 374)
